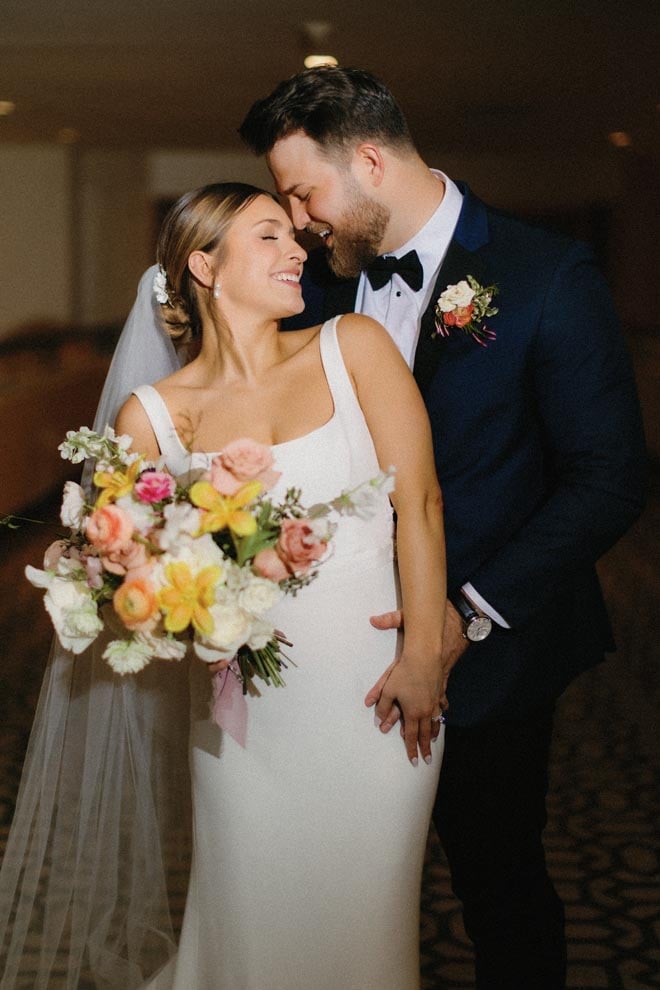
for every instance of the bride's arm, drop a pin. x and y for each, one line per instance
(398, 422)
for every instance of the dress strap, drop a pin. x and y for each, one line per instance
(339, 382)
(161, 423)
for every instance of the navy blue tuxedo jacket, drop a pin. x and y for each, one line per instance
(539, 450)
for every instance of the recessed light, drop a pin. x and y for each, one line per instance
(313, 61)
(6, 108)
(67, 135)
(620, 139)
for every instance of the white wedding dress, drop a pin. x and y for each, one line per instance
(308, 844)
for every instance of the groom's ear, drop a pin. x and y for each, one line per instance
(369, 163)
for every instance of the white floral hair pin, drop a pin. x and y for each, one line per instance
(160, 286)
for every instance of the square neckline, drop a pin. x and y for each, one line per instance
(174, 435)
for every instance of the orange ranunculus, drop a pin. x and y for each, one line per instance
(225, 511)
(135, 603)
(463, 315)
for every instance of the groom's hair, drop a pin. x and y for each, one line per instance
(334, 106)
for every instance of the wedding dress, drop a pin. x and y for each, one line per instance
(308, 844)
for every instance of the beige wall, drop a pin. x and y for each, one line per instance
(77, 225)
(114, 232)
(35, 241)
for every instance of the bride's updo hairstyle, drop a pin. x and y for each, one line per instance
(198, 221)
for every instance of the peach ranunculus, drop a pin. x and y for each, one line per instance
(299, 545)
(135, 604)
(109, 528)
(241, 461)
(132, 559)
(269, 564)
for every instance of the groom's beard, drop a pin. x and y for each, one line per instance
(357, 237)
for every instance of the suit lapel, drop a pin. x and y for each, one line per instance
(460, 261)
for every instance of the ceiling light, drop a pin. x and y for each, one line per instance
(67, 135)
(6, 107)
(313, 61)
(620, 139)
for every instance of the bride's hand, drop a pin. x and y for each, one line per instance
(412, 690)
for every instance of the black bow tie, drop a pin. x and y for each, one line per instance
(381, 270)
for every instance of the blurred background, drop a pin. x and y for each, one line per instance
(108, 112)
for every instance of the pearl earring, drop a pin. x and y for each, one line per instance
(216, 290)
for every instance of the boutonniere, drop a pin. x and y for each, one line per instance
(465, 306)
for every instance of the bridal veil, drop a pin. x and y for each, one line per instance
(104, 803)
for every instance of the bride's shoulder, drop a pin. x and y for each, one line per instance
(359, 335)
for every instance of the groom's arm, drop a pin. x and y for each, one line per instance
(587, 404)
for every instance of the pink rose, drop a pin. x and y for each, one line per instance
(298, 545)
(131, 559)
(154, 486)
(242, 461)
(269, 564)
(109, 528)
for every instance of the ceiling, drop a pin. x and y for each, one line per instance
(480, 75)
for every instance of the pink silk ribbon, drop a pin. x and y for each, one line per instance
(229, 705)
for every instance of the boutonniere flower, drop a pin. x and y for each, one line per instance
(465, 306)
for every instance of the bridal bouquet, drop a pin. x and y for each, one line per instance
(161, 562)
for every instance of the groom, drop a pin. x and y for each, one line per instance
(539, 452)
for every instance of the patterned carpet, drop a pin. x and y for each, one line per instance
(604, 806)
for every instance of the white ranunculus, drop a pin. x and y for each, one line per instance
(456, 295)
(127, 656)
(71, 607)
(259, 595)
(142, 514)
(72, 512)
(182, 521)
(231, 629)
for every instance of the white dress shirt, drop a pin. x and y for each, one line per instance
(395, 305)
(400, 310)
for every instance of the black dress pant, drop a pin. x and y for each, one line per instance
(490, 813)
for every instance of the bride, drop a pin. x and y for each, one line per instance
(308, 843)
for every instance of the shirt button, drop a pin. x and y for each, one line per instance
(398, 292)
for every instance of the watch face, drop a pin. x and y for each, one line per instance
(478, 628)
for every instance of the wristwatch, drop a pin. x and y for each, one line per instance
(476, 625)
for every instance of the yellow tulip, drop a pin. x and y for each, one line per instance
(225, 511)
(187, 599)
